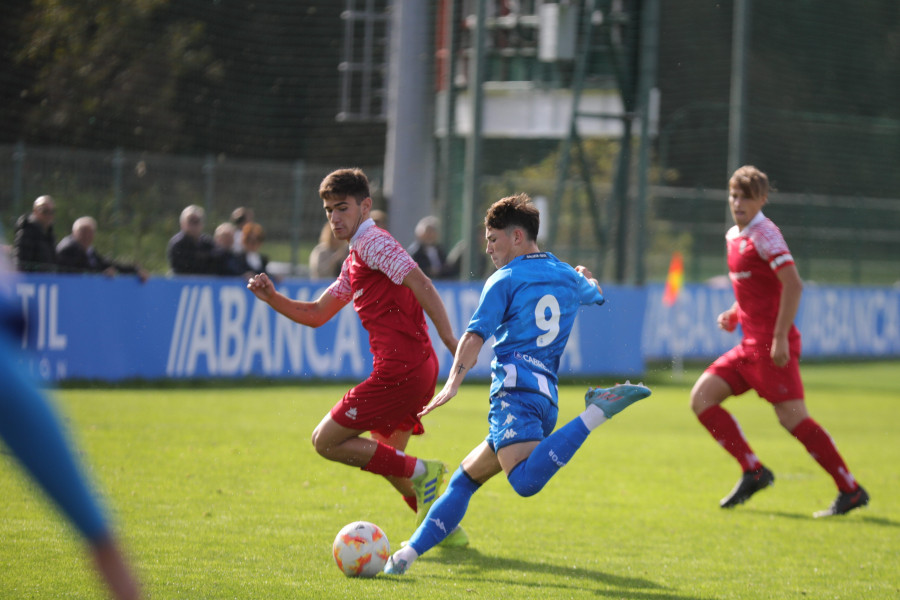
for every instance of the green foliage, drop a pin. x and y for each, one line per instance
(219, 494)
(96, 63)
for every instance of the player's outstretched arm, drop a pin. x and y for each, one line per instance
(466, 356)
(311, 314)
(425, 292)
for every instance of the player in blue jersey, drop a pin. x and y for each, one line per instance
(529, 305)
(34, 435)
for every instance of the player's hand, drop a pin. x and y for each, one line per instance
(261, 286)
(781, 351)
(442, 398)
(728, 320)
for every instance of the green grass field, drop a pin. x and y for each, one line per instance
(219, 494)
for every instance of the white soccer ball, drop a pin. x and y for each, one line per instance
(361, 549)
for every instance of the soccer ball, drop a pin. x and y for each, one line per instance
(361, 549)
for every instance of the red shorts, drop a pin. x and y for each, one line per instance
(390, 399)
(749, 366)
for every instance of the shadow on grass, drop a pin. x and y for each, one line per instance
(475, 567)
(880, 521)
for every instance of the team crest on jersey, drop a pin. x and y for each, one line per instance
(742, 246)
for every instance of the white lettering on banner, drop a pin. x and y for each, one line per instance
(46, 317)
(849, 322)
(203, 334)
(571, 357)
(233, 303)
(245, 335)
(687, 328)
(259, 338)
(347, 342)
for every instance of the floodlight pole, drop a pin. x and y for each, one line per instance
(472, 186)
(737, 106)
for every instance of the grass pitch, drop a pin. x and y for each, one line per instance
(218, 494)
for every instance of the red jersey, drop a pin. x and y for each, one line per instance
(754, 257)
(372, 278)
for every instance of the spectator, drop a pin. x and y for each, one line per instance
(328, 255)
(252, 238)
(190, 250)
(225, 260)
(240, 217)
(426, 250)
(76, 253)
(34, 245)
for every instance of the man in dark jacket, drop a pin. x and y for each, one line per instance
(190, 251)
(34, 245)
(76, 253)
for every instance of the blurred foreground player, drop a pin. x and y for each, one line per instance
(529, 305)
(388, 291)
(767, 291)
(32, 432)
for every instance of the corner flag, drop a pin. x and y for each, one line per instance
(674, 279)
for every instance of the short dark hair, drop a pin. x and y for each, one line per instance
(514, 211)
(343, 183)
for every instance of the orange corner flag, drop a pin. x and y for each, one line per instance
(674, 280)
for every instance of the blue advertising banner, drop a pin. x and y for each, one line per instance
(97, 328)
(834, 322)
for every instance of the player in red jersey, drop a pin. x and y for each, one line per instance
(767, 289)
(388, 291)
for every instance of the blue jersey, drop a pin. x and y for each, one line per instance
(529, 306)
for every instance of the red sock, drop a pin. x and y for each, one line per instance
(821, 447)
(411, 501)
(390, 461)
(725, 429)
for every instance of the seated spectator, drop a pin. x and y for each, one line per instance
(34, 244)
(190, 250)
(240, 217)
(328, 256)
(426, 251)
(225, 260)
(76, 253)
(252, 237)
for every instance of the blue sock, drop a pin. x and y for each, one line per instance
(446, 513)
(532, 474)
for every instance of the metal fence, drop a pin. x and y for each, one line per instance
(137, 197)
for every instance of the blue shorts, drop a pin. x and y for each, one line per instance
(519, 416)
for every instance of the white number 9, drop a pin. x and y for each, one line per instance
(545, 322)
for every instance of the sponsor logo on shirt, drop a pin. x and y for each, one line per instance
(531, 360)
(736, 275)
(358, 293)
